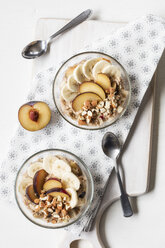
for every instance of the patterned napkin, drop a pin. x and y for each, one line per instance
(138, 46)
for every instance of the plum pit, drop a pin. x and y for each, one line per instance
(33, 114)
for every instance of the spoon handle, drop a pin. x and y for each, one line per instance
(127, 210)
(77, 20)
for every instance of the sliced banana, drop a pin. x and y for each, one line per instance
(98, 67)
(72, 84)
(70, 180)
(78, 74)
(67, 94)
(60, 164)
(74, 198)
(88, 66)
(23, 185)
(33, 168)
(58, 173)
(111, 70)
(48, 162)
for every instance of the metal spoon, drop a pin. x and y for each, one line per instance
(112, 148)
(39, 47)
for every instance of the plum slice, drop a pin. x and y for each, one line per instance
(79, 100)
(52, 183)
(92, 87)
(30, 194)
(38, 181)
(55, 192)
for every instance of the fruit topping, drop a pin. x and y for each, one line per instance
(31, 194)
(39, 180)
(74, 199)
(78, 102)
(103, 80)
(92, 87)
(55, 192)
(52, 183)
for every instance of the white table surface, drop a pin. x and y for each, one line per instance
(17, 24)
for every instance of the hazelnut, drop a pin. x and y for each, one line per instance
(63, 212)
(36, 201)
(42, 204)
(81, 122)
(54, 221)
(59, 206)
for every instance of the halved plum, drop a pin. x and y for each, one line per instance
(34, 115)
(38, 181)
(30, 194)
(52, 183)
(55, 192)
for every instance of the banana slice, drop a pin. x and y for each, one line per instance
(70, 180)
(74, 198)
(33, 168)
(60, 164)
(78, 74)
(67, 94)
(57, 173)
(25, 182)
(98, 67)
(48, 162)
(72, 84)
(88, 66)
(112, 71)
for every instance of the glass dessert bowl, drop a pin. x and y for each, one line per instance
(91, 90)
(54, 188)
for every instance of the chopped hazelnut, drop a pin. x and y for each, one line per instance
(49, 198)
(54, 202)
(54, 221)
(81, 122)
(50, 210)
(89, 113)
(107, 104)
(101, 104)
(59, 206)
(42, 204)
(63, 212)
(57, 210)
(83, 113)
(102, 110)
(36, 201)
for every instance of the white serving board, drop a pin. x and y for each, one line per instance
(136, 158)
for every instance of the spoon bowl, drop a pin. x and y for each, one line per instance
(35, 49)
(111, 145)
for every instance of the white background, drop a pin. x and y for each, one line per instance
(17, 25)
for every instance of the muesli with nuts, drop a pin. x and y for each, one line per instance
(93, 92)
(54, 189)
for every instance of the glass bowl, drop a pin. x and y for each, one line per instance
(76, 59)
(85, 171)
